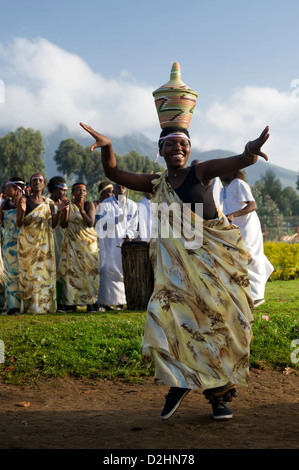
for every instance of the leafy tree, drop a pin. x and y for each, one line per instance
(21, 154)
(272, 186)
(77, 163)
(133, 161)
(289, 203)
(266, 207)
(270, 196)
(69, 158)
(297, 183)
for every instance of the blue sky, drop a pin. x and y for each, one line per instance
(65, 61)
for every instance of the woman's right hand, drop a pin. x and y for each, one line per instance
(101, 140)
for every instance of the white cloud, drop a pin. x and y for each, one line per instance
(46, 87)
(230, 124)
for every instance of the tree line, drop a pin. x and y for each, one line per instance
(22, 154)
(273, 200)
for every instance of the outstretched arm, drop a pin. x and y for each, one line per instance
(208, 170)
(138, 182)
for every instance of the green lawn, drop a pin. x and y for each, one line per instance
(108, 345)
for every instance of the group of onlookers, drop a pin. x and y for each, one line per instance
(55, 256)
(59, 253)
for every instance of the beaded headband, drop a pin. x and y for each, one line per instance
(14, 183)
(175, 134)
(36, 177)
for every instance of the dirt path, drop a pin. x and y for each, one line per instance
(71, 414)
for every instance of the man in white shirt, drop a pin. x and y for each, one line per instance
(240, 208)
(118, 221)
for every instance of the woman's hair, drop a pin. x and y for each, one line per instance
(171, 130)
(54, 182)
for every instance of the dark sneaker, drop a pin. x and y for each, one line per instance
(173, 400)
(67, 308)
(221, 412)
(13, 311)
(92, 308)
(119, 307)
(258, 302)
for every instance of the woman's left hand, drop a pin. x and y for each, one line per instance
(254, 146)
(63, 204)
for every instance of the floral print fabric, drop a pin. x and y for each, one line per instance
(36, 258)
(198, 324)
(79, 261)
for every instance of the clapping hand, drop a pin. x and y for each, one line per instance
(63, 204)
(23, 203)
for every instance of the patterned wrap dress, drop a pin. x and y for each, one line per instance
(79, 261)
(10, 258)
(198, 323)
(36, 257)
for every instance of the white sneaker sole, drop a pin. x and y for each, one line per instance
(259, 303)
(222, 418)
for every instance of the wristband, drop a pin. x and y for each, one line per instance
(250, 157)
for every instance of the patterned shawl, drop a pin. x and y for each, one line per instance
(198, 325)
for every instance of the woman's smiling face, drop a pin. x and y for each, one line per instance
(79, 193)
(176, 151)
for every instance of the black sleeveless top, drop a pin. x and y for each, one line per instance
(192, 191)
(7, 205)
(30, 205)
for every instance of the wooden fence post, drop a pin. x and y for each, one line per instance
(265, 233)
(278, 229)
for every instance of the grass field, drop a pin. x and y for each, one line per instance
(107, 345)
